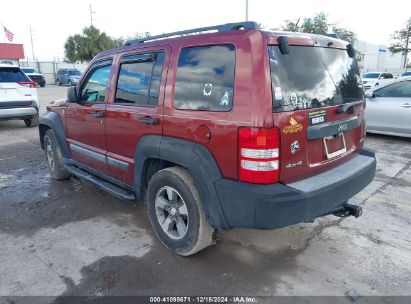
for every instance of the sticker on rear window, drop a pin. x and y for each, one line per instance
(317, 117)
(278, 94)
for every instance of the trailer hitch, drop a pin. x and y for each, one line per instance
(348, 210)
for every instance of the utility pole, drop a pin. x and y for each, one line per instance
(91, 16)
(406, 47)
(246, 10)
(31, 38)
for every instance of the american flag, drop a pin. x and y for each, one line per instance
(9, 35)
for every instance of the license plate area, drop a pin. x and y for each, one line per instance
(334, 146)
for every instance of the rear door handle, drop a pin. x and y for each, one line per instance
(406, 105)
(98, 114)
(148, 120)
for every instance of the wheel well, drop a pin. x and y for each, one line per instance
(152, 166)
(42, 130)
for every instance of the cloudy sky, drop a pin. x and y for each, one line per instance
(53, 21)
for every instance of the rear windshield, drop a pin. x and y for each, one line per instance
(12, 75)
(29, 70)
(371, 75)
(313, 77)
(74, 73)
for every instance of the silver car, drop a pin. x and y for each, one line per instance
(389, 108)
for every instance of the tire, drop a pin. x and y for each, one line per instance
(70, 84)
(184, 208)
(58, 82)
(43, 85)
(54, 157)
(32, 121)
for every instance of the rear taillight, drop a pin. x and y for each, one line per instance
(29, 84)
(259, 155)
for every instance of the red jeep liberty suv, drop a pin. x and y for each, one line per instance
(218, 127)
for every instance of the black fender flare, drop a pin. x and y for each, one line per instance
(196, 158)
(53, 121)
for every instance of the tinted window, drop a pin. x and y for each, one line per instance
(29, 70)
(94, 89)
(312, 77)
(398, 89)
(371, 75)
(74, 73)
(139, 81)
(12, 75)
(406, 74)
(156, 79)
(205, 78)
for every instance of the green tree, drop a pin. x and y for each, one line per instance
(401, 41)
(120, 41)
(319, 25)
(83, 47)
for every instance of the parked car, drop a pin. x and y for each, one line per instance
(217, 130)
(389, 108)
(35, 76)
(406, 74)
(370, 80)
(68, 76)
(18, 96)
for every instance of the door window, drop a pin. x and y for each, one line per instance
(94, 89)
(398, 89)
(205, 78)
(139, 79)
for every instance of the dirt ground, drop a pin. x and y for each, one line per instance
(67, 238)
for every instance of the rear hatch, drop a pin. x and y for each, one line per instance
(318, 107)
(11, 92)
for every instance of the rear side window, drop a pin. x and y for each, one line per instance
(12, 75)
(313, 77)
(139, 79)
(398, 89)
(205, 78)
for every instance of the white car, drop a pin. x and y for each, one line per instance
(371, 80)
(18, 96)
(389, 108)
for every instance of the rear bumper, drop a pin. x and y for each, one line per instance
(13, 113)
(274, 206)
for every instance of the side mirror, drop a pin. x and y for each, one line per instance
(72, 95)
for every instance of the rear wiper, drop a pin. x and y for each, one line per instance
(350, 105)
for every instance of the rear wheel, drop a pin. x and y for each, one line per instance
(176, 212)
(58, 82)
(54, 157)
(32, 121)
(70, 83)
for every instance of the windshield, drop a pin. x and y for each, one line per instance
(12, 75)
(25, 70)
(371, 75)
(313, 77)
(74, 73)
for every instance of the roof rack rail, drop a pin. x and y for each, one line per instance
(246, 25)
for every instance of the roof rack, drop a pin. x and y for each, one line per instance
(246, 25)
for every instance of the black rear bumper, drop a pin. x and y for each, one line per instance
(274, 206)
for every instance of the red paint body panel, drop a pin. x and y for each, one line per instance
(120, 131)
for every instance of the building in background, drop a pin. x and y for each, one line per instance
(377, 57)
(11, 52)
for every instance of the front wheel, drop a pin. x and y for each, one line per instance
(54, 157)
(176, 212)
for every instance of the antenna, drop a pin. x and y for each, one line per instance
(91, 16)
